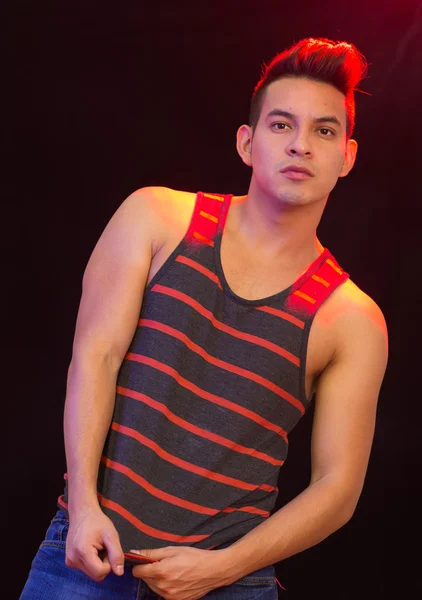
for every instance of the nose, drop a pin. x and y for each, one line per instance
(299, 145)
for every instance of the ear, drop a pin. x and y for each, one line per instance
(349, 157)
(244, 144)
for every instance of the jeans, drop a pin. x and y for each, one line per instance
(51, 579)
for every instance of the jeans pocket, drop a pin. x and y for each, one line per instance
(264, 576)
(56, 533)
(256, 581)
(254, 587)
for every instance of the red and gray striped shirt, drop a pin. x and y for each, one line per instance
(206, 396)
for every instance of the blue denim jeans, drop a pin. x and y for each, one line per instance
(51, 579)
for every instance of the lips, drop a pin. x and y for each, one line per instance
(296, 169)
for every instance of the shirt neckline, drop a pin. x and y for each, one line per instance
(311, 269)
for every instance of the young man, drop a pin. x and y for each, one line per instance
(177, 413)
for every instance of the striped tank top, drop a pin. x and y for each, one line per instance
(206, 396)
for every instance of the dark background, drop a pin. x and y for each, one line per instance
(99, 101)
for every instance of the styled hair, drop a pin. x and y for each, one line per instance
(319, 59)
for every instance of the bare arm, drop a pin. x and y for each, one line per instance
(344, 421)
(112, 291)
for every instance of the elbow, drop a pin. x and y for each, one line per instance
(92, 357)
(348, 508)
(342, 497)
(347, 515)
(341, 515)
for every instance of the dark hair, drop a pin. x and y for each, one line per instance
(319, 59)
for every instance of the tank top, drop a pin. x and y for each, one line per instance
(206, 396)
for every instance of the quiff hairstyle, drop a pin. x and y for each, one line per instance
(319, 59)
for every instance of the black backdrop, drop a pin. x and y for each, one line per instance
(101, 100)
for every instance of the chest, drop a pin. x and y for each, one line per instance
(253, 276)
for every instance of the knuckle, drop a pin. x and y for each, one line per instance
(81, 551)
(68, 562)
(70, 559)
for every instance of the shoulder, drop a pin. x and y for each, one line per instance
(159, 212)
(349, 303)
(357, 322)
(157, 199)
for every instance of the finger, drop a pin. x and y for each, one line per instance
(114, 552)
(93, 566)
(156, 553)
(87, 562)
(145, 571)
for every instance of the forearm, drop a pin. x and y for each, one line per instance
(322, 508)
(90, 398)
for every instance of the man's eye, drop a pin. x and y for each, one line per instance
(279, 126)
(326, 132)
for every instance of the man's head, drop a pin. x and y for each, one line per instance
(302, 114)
(338, 64)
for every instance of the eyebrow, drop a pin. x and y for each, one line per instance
(277, 112)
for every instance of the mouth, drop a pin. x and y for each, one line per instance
(295, 172)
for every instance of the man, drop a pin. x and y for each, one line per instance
(178, 411)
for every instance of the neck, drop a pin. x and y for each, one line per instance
(275, 228)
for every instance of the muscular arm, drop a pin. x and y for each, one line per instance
(346, 400)
(112, 290)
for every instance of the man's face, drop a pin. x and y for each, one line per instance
(302, 125)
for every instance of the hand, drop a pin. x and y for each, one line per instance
(184, 573)
(91, 532)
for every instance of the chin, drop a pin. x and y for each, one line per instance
(294, 198)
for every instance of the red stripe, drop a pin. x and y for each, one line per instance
(202, 238)
(208, 216)
(170, 498)
(248, 509)
(213, 437)
(221, 363)
(111, 464)
(273, 311)
(146, 360)
(334, 266)
(305, 297)
(183, 464)
(62, 502)
(151, 531)
(253, 339)
(214, 197)
(191, 263)
(282, 315)
(321, 280)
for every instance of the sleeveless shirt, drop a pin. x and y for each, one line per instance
(206, 396)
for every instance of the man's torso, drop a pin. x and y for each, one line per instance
(251, 277)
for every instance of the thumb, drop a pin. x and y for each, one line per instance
(114, 553)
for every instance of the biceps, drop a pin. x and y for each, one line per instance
(345, 412)
(113, 287)
(108, 312)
